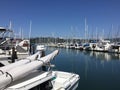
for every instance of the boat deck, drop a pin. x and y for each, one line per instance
(65, 80)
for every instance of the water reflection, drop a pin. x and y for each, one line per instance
(103, 56)
(97, 70)
(95, 55)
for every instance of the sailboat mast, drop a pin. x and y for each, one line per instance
(112, 34)
(103, 35)
(29, 37)
(30, 29)
(96, 34)
(85, 29)
(10, 28)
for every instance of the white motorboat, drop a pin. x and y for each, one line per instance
(115, 48)
(51, 80)
(29, 75)
(40, 47)
(65, 81)
(78, 46)
(103, 45)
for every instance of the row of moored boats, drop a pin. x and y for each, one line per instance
(101, 46)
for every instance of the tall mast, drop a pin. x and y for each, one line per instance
(103, 35)
(29, 37)
(85, 29)
(22, 34)
(96, 34)
(30, 29)
(10, 28)
(112, 33)
(87, 33)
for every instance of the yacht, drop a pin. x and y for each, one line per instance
(78, 46)
(104, 45)
(101, 46)
(6, 37)
(115, 48)
(40, 47)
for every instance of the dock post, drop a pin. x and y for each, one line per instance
(14, 55)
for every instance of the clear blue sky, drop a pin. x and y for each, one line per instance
(61, 18)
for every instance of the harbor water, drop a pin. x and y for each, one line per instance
(97, 70)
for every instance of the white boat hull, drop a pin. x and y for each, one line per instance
(70, 81)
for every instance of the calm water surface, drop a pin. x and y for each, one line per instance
(97, 70)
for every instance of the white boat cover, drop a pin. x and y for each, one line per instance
(48, 57)
(19, 63)
(34, 56)
(23, 70)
